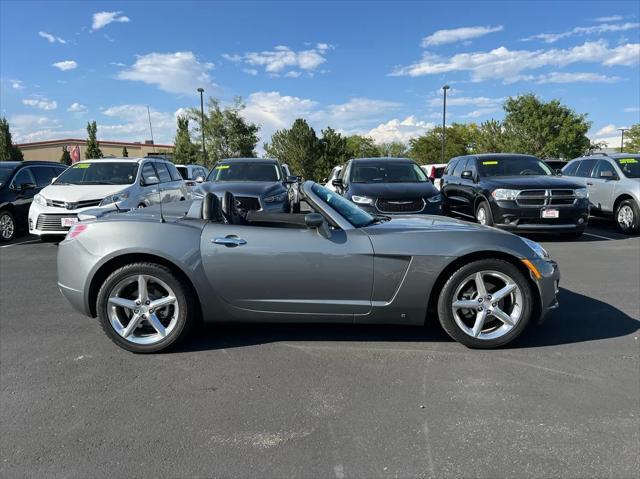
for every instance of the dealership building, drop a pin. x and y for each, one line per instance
(51, 150)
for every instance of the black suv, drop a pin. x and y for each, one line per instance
(19, 183)
(388, 186)
(514, 192)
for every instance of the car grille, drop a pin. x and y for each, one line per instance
(537, 198)
(73, 205)
(52, 222)
(248, 203)
(400, 206)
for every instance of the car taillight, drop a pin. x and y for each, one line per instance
(76, 230)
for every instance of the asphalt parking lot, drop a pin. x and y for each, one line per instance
(326, 400)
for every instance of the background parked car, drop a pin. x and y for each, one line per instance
(126, 183)
(20, 181)
(258, 184)
(192, 175)
(514, 192)
(389, 186)
(556, 165)
(434, 173)
(335, 173)
(614, 186)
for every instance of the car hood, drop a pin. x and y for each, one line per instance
(240, 188)
(74, 193)
(426, 222)
(530, 181)
(396, 191)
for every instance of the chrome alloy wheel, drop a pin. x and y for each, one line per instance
(487, 305)
(143, 309)
(7, 226)
(625, 217)
(482, 216)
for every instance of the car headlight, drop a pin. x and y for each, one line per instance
(435, 198)
(116, 198)
(362, 200)
(40, 200)
(582, 193)
(505, 194)
(276, 198)
(537, 248)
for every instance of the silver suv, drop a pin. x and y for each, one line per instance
(614, 186)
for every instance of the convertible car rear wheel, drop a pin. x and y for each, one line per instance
(144, 308)
(485, 304)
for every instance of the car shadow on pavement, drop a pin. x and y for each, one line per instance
(579, 318)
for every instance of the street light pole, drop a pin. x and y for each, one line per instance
(444, 116)
(622, 130)
(204, 151)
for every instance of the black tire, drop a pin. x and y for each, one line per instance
(142, 205)
(8, 227)
(483, 205)
(445, 300)
(634, 226)
(184, 295)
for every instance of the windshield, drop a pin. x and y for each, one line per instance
(390, 172)
(512, 166)
(346, 208)
(5, 174)
(630, 167)
(245, 171)
(99, 173)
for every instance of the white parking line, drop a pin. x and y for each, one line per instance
(598, 236)
(22, 242)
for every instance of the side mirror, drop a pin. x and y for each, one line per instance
(291, 179)
(467, 175)
(313, 220)
(54, 179)
(150, 180)
(199, 179)
(27, 186)
(337, 183)
(558, 172)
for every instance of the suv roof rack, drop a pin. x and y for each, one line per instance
(600, 153)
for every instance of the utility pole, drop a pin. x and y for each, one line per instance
(444, 116)
(622, 130)
(204, 151)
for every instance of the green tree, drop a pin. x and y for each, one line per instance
(490, 138)
(125, 152)
(8, 151)
(394, 149)
(333, 151)
(545, 129)
(297, 146)
(66, 156)
(184, 152)
(361, 147)
(227, 133)
(459, 140)
(632, 139)
(93, 147)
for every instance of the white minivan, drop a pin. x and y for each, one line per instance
(125, 183)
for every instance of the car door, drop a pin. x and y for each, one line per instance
(274, 273)
(149, 185)
(165, 186)
(583, 173)
(603, 182)
(454, 195)
(24, 187)
(467, 188)
(178, 188)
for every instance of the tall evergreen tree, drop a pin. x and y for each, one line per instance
(333, 151)
(8, 151)
(93, 147)
(125, 152)
(184, 151)
(394, 149)
(297, 146)
(66, 156)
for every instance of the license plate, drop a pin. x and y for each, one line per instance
(68, 221)
(550, 213)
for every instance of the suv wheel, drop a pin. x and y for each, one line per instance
(483, 214)
(628, 217)
(485, 304)
(7, 226)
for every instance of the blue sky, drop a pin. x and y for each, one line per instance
(372, 68)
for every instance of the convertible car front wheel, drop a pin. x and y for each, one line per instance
(485, 304)
(145, 308)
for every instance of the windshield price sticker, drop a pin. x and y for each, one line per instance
(222, 167)
(489, 162)
(627, 161)
(83, 165)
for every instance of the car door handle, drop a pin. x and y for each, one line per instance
(230, 241)
(589, 183)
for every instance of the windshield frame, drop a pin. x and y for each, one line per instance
(482, 161)
(60, 179)
(621, 167)
(228, 164)
(319, 192)
(380, 163)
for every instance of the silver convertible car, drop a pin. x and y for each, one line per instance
(149, 275)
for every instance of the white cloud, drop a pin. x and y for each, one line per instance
(480, 112)
(632, 109)
(453, 35)
(51, 38)
(399, 130)
(612, 18)
(108, 38)
(608, 130)
(502, 63)
(592, 30)
(133, 123)
(102, 19)
(41, 103)
(66, 65)
(292, 74)
(283, 58)
(117, 64)
(565, 77)
(479, 101)
(179, 72)
(77, 108)
(16, 84)
(355, 113)
(250, 71)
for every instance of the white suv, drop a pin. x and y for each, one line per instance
(125, 183)
(614, 186)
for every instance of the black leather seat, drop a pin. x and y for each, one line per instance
(230, 210)
(211, 208)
